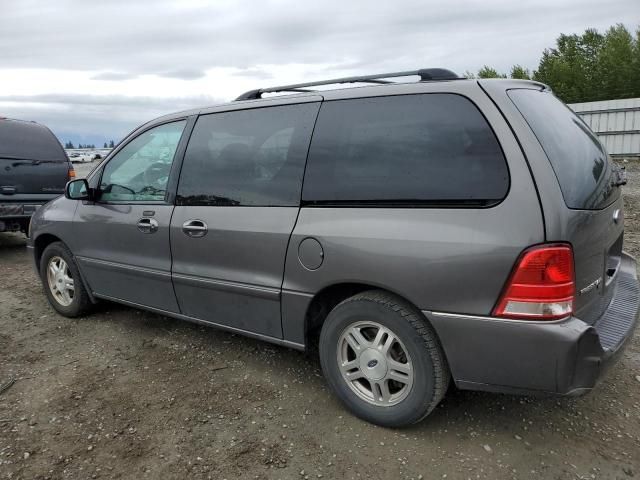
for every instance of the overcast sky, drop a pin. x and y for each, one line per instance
(94, 70)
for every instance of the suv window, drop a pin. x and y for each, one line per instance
(410, 149)
(247, 157)
(140, 171)
(579, 160)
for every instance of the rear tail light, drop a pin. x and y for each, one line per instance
(541, 286)
(71, 174)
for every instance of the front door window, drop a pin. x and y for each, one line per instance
(140, 171)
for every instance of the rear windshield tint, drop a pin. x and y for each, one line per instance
(29, 141)
(579, 160)
(427, 149)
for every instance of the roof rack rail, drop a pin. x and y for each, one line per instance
(425, 74)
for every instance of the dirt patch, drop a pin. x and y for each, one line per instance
(130, 394)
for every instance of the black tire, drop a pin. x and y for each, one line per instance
(430, 370)
(80, 303)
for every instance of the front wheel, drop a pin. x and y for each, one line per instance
(382, 359)
(61, 281)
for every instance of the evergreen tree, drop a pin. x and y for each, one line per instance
(592, 66)
(615, 65)
(489, 72)
(518, 71)
(635, 62)
(585, 67)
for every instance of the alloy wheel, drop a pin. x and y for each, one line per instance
(60, 281)
(375, 364)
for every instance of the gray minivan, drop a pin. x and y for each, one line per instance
(415, 233)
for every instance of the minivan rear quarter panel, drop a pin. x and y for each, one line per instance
(595, 236)
(434, 257)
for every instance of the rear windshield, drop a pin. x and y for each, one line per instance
(29, 141)
(428, 149)
(579, 160)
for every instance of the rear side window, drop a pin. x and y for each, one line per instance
(29, 141)
(248, 157)
(578, 158)
(411, 149)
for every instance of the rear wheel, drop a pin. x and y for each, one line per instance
(382, 359)
(62, 283)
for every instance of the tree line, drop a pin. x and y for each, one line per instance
(69, 144)
(585, 68)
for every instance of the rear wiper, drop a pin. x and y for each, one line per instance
(619, 176)
(28, 162)
(23, 163)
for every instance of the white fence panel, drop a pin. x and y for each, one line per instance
(616, 122)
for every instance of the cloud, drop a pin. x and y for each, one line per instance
(166, 104)
(184, 74)
(160, 37)
(94, 118)
(253, 73)
(114, 76)
(108, 65)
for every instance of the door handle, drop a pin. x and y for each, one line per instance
(148, 225)
(195, 228)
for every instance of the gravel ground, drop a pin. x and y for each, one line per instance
(130, 394)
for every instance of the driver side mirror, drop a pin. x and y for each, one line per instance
(77, 190)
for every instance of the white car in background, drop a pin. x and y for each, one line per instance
(83, 157)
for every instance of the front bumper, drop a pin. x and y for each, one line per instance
(565, 357)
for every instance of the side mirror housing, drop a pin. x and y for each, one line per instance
(77, 190)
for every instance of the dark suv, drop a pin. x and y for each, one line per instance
(417, 233)
(33, 170)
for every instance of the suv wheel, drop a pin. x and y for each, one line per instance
(61, 280)
(382, 359)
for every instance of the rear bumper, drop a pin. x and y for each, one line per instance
(15, 216)
(19, 213)
(19, 210)
(565, 357)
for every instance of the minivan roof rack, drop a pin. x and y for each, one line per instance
(425, 74)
